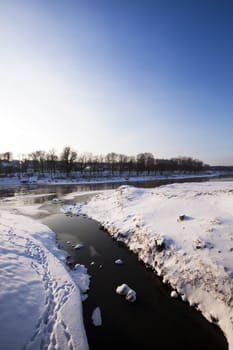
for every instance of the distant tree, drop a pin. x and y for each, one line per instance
(94, 165)
(51, 158)
(5, 159)
(122, 162)
(34, 159)
(145, 162)
(24, 164)
(7, 156)
(68, 156)
(84, 160)
(38, 160)
(150, 162)
(111, 159)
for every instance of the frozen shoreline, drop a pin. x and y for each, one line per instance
(34, 180)
(40, 302)
(193, 254)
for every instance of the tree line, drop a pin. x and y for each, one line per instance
(69, 162)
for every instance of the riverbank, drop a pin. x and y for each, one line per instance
(89, 179)
(41, 304)
(184, 232)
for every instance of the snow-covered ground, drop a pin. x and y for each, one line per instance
(40, 304)
(47, 180)
(184, 232)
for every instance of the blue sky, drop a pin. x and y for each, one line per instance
(128, 76)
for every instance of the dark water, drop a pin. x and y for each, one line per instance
(154, 321)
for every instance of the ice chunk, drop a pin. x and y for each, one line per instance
(124, 289)
(174, 294)
(96, 317)
(81, 277)
(131, 296)
(118, 262)
(78, 246)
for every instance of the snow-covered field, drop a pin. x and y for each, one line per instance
(40, 304)
(184, 232)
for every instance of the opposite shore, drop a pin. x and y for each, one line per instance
(46, 179)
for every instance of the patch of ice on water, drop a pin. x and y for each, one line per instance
(79, 246)
(96, 317)
(125, 290)
(118, 262)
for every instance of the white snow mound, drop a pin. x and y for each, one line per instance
(194, 254)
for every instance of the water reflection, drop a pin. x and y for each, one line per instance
(62, 190)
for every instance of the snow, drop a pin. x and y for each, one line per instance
(81, 277)
(48, 180)
(185, 233)
(125, 290)
(79, 246)
(96, 317)
(17, 205)
(41, 304)
(33, 210)
(174, 294)
(56, 200)
(72, 195)
(26, 196)
(118, 262)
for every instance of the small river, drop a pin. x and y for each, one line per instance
(155, 320)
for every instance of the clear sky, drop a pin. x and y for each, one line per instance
(127, 76)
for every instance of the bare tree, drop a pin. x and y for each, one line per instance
(7, 156)
(38, 160)
(111, 159)
(24, 164)
(95, 165)
(145, 162)
(68, 156)
(51, 158)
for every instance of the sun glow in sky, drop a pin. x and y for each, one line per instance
(127, 76)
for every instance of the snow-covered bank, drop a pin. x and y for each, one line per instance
(40, 304)
(184, 232)
(90, 180)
